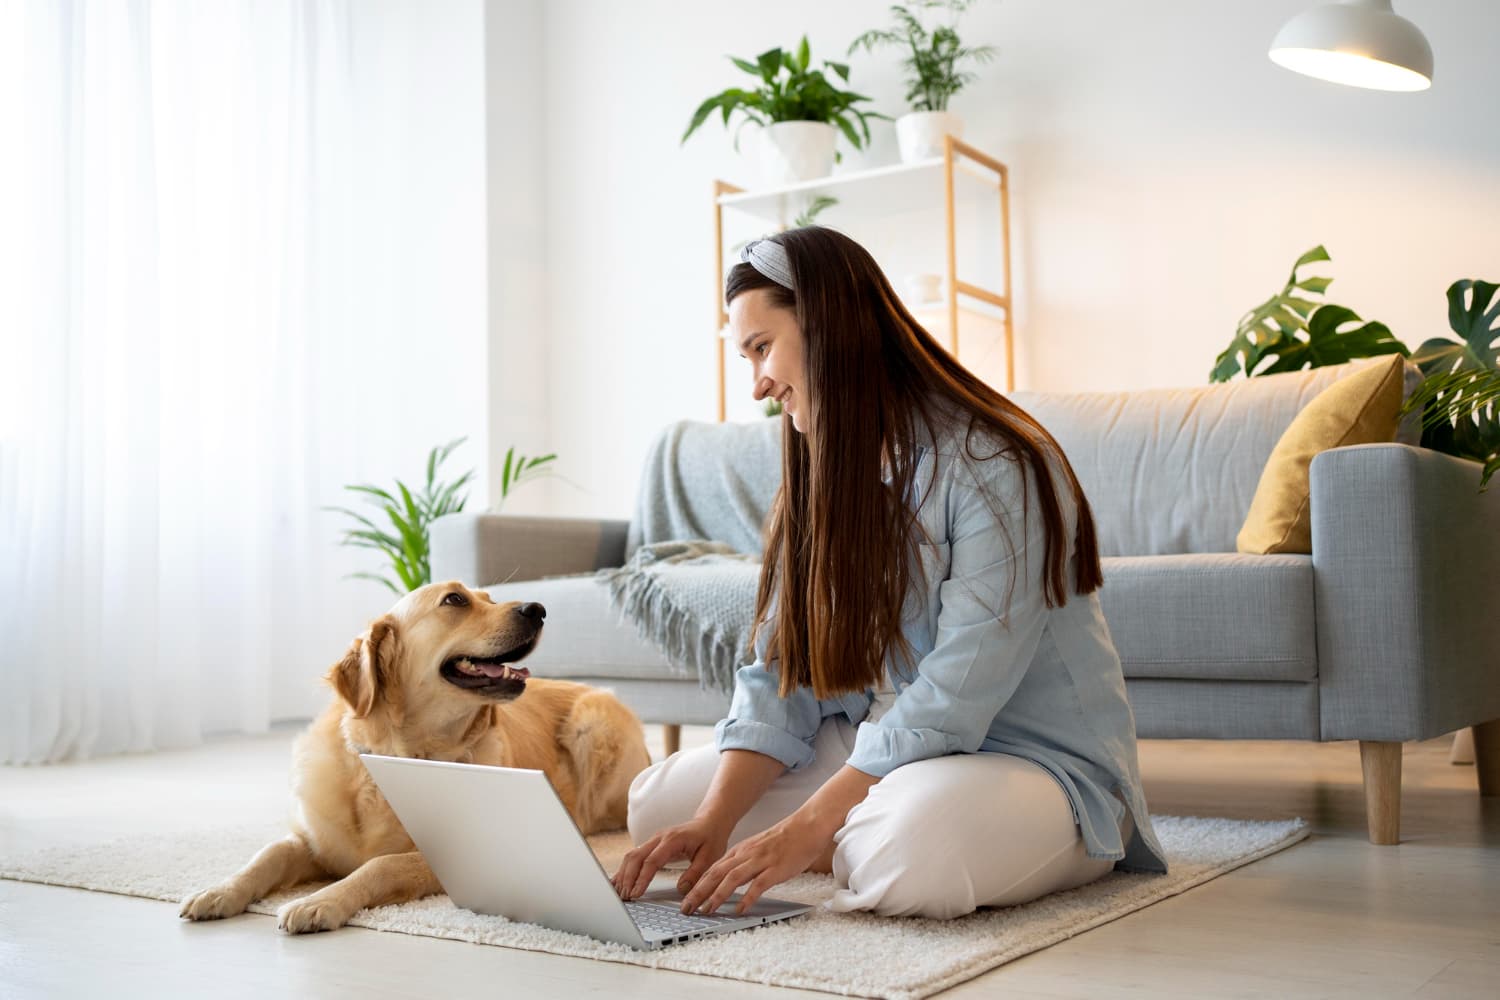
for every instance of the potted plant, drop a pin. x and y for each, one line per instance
(1461, 394)
(933, 73)
(799, 110)
(412, 512)
(1459, 399)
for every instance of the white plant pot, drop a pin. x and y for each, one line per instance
(920, 133)
(796, 151)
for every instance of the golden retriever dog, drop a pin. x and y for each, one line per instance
(435, 678)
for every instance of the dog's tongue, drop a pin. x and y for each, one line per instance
(497, 669)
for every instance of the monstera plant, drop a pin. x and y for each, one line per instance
(1297, 332)
(1460, 398)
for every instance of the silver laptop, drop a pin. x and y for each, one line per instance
(501, 842)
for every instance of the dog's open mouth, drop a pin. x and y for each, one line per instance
(496, 676)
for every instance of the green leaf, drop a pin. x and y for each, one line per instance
(505, 473)
(373, 491)
(848, 131)
(1274, 330)
(804, 54)
(746, 65)
(1317, 253)
(699, 116)
(770, 64)
(378, 579)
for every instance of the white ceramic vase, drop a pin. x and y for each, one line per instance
(920, 133)
(795, 151)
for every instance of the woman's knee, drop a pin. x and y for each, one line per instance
(890, 865)
(668, 792)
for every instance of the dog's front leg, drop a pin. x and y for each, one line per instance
(279, 865)
(388, 878)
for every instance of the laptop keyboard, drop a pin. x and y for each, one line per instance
(663, 918)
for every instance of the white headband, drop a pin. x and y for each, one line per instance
(769, 258)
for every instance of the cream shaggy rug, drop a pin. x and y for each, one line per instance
(851, 954)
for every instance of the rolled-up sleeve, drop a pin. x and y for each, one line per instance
(784, 728)
(978, 659)
(763, 721)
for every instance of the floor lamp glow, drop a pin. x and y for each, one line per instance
(1362, 43)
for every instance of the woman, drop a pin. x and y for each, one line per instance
(930, 577)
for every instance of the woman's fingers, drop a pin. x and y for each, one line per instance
(756, 889)
(702, 859)
(732, 880)
(631, 865)
(669, 849)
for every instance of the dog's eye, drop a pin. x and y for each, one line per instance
(455, 600)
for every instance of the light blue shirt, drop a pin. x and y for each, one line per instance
(1044, 684)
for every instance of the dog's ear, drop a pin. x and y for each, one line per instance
(359, 678)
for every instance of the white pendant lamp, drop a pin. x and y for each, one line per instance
(1362, 43)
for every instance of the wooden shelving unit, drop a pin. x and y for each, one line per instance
(908, 187)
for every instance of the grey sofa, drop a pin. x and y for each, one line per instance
(1388, 632)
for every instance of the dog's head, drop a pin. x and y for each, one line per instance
(441, 649)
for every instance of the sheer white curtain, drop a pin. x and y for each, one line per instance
(175, 253)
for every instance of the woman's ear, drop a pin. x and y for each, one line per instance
(359, 678)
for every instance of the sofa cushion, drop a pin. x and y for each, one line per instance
(1216, 616)
(585, 636)
(1220, 616)
(1174, 470)
(1358, 409)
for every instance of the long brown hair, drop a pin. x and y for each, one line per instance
(872, 373)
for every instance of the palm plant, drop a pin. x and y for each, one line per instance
(933, 74)
(517, 470)
(790, 90)
(410, 516)
(1460, 398)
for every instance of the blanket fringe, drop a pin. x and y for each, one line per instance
(690, 644)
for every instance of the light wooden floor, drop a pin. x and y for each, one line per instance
(1332, 917)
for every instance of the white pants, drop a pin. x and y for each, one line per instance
(934, 838)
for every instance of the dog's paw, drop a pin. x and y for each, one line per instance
(303, 916)
(214, 904)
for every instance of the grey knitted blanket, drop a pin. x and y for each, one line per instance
(692, 554)
(694, 600)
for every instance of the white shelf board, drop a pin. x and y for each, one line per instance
(890, 190)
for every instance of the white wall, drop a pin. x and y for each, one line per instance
(1166, 175)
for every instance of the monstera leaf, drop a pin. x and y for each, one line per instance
(1272, 326)
(1460, 394)
(1326, 344)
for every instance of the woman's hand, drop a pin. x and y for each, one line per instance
(785, 850)
(701, 839)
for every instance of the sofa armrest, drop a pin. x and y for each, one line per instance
(1406, 560)
(484, 549)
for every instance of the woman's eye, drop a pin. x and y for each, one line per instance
(455, 600)
(760, 349)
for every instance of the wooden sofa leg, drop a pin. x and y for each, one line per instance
(671, 737)
(1382, 766)
(1462, 751)
(1487, 756)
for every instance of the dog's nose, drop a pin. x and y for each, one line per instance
(531, 609)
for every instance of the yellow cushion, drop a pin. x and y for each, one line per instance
(1357, 409)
